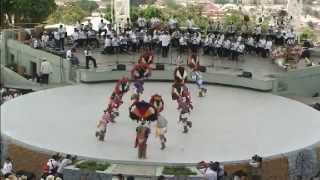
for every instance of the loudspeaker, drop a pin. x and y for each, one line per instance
(121, 67)
(160, 67)
(202, 68)
(246, 74)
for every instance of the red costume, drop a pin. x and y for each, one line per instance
(157, 101)
(146, 57)
(193, 62)
(180, 75)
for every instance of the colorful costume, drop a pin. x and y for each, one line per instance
(193, 62)
(179, 90)
(196, 76)
(146, 57)
(102, 125)
(162, 124)
(139, 73)
(141, 140)
(142, 111)
(185, 108)
(157, 101)
(122, 87)
(180, 75)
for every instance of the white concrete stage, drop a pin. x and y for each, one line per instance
(230, 124)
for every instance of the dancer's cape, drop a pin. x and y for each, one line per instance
(157, 101)
(142, 111)
(180, 75)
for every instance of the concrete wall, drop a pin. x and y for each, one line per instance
(23, 55)
(304, 82)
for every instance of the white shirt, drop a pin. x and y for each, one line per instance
(56, 35)
(45, 67)
(75, 35)
(101, 25)
(52, 164)
(63, 164)
(62, 32)
(7, 168)
(269, 45)
(87, 53)
(165, 39)
(69, 54)
(182, 41)
(107, 42)
(209, 174)
(45, 38)
(82, 35)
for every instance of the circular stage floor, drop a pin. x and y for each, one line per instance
(230, 124)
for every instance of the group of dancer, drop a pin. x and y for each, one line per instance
(146, 112)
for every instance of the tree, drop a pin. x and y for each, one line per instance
(87, 5)
(26, 11)
(171, 4)
(68, 14)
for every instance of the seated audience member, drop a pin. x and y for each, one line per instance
(64, 163)
(7, 168)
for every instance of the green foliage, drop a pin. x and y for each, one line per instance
(93, 166)
(171, 4)
(108, 13)
(307, 33)
(87, 5)
(27, 11)
(68, 14)
(177, 171)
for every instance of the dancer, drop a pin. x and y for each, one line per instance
(143, 132)
(146, 57)
(193, 62)
(179, 90)
(162, 124)
(139, 73)
(157, 101)
(185, 108)
(142, 111)
(122, 87)
(102, 125)
(180, 75)
(196, 76)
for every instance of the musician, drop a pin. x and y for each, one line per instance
(207, 44)
(240, 50)
(115, 45)
(234, 50)
(183, 43)
(226, 47)
(195, 42)
(175, 38)
(165, 42)
(107, 45)
(268, 47)
(250, 45)
(290, 36)
(133, 41)
(261, 47)
(219, 45)
(123, 43)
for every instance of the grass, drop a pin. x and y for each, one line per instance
(177, 171)
(93, 166)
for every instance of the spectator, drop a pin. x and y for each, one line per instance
(102, 28)
(45, 39)
(53, 165)
(45, 70)
(72, 58)
(7, 168)
(165, 41)
(64, 163)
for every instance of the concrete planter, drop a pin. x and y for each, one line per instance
(73, 173)
(198, 176)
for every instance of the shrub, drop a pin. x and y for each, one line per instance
(177, 171)
(93, 166)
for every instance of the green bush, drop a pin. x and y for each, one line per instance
(93, 166)
(178, 171)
